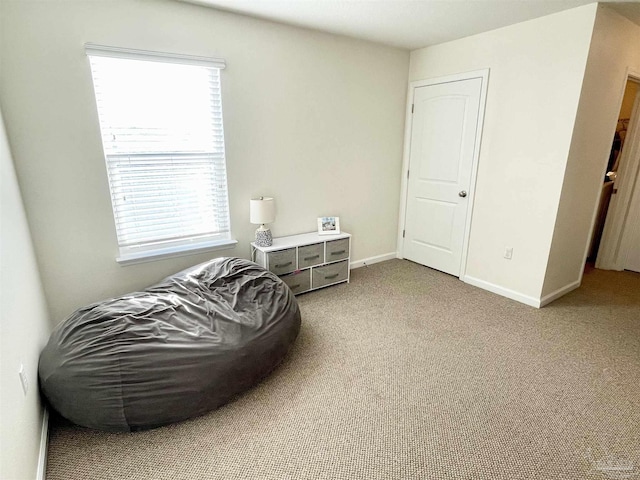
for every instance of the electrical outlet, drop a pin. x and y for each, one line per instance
(23, 379)
(508, 253)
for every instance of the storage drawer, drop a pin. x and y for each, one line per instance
(298, 282)
(282, 261)
(337, 250)
(328, 274)
(310, 255)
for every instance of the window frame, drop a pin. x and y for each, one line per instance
(155, 250)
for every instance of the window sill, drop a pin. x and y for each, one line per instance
(175, 251)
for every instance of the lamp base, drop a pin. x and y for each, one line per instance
(263, 237)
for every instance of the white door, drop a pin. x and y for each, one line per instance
(442, 146)
(630, 246)
(618, 237)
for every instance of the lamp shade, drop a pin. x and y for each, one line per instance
(262, 210)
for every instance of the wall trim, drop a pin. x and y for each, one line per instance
(44, 446)
(547, 299)
(505, 292)
(371, 260)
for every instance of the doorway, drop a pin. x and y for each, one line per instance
(615, 239)
(441, 154)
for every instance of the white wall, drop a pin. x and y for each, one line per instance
(312, 119)
(24, 329)
(614, 48)
(536, 70)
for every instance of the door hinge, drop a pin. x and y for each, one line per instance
(403, 232)
(407, 174)
(412, 108)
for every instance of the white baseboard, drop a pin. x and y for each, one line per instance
(547, 299)
(371, 260)
(44, 446)
(505, 292)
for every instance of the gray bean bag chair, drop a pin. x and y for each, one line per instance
(173, 351)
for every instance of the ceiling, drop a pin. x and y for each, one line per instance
(408, 24)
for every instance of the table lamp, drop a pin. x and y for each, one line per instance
(263, 210)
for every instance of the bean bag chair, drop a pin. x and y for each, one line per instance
(173, 351)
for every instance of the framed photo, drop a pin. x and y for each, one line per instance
(328, 225)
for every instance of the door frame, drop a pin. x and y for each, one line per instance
(404, 188)
(610, 255)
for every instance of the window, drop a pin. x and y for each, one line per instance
(161, 122)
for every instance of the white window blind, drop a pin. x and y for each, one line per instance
(161, 122)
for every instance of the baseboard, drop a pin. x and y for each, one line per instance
(547, 299)
(44, 446)
(505, 292)
(372, 260)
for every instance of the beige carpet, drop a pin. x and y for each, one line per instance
(408, 373)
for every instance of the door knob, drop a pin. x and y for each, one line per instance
(462, 194)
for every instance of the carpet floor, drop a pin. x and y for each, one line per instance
(408, 373)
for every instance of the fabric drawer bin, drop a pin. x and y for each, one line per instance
(337, 249)
(282, 261)
(333, 273)
(310, 255)
(298, 282)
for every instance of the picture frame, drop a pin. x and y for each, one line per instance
(328, 225)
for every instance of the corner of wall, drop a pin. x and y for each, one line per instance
(612, 51)
(24, 327)
(561, 275)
